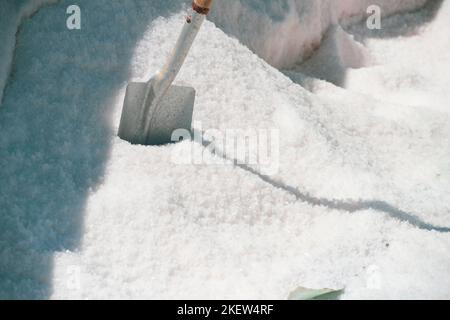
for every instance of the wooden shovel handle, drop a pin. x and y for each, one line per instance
(202, 6)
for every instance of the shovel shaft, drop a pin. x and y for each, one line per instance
(158, 85)
(170, 70)
(190, 30)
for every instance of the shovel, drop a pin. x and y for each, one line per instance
(153, 110)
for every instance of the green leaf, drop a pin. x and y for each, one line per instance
(315, 294)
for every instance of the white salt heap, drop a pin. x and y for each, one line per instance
(361, 199)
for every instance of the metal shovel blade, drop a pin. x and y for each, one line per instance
(172, 113)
